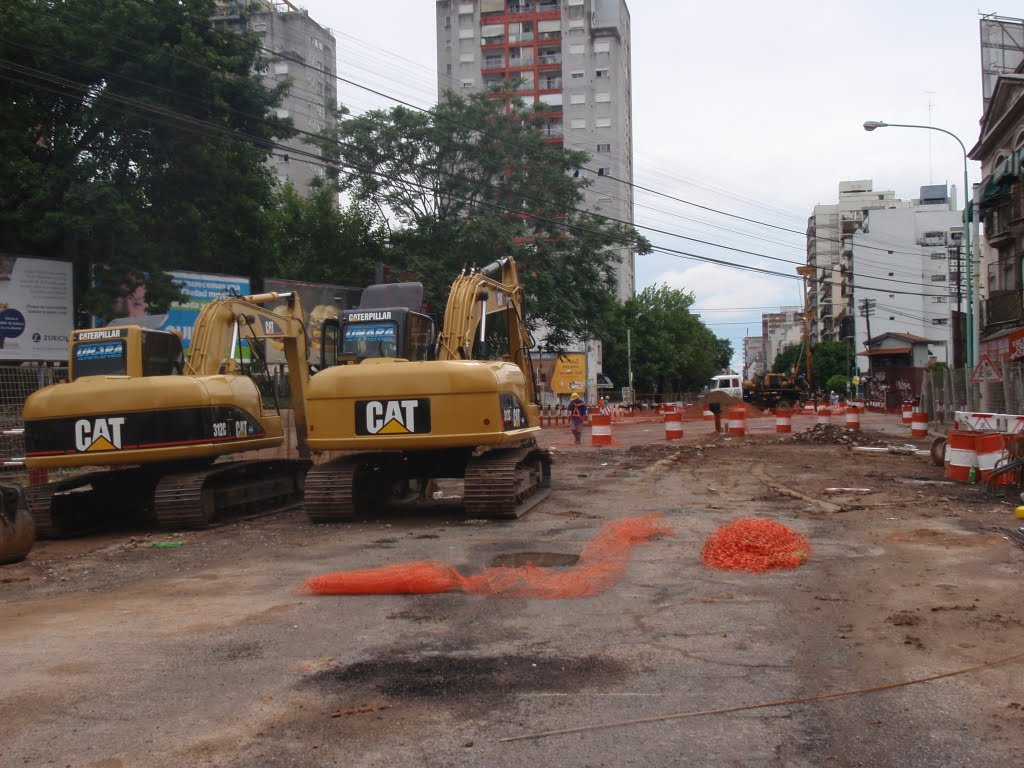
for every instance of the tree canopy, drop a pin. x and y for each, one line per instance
(134, 138)
(474, 179)
(828, 358)
(671, 350)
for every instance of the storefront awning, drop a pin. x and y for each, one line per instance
(1004, 175)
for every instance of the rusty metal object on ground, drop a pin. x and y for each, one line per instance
(938, 451)
(17, 528)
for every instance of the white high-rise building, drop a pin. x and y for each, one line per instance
(905, 268)
(572, 56)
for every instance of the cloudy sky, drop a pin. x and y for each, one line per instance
(751, 109)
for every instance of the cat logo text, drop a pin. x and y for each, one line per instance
(392, 417)
(98, 434)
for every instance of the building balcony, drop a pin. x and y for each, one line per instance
(1004, 308)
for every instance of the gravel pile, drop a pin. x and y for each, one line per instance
(829, 434)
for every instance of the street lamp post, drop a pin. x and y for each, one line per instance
(971, 348)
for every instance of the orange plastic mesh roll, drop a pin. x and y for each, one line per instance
(601, 564)
(755, 545)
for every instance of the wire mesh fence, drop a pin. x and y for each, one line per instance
(16, 384)
(944, 391)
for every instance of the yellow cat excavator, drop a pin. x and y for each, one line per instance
(156, 423)
(471, 413)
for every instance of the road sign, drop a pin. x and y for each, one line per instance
(985, 372)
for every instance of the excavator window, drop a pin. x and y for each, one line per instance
(99, 358)
(161, 354)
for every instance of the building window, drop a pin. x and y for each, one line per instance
(577, 49)
(281, 68)
(604, 147)
(940, 321)
(466, 34)
(938, 278)
(603, 122)
(578, 98)
(447, 22)
(938, 300)
(578, 123)
(602, 72)
(602, 97)
(448, 69)
(577, 74)
(469, 58)
(602, 46)
(467, 82)
(604, 171)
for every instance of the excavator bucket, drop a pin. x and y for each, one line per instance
(17, 528)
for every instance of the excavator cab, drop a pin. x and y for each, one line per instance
(385, 325)
(125, 351)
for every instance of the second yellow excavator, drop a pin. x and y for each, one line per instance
(469, 411)
(152, 424)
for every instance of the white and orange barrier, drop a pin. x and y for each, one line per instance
(708, 415)
(673, 425)
(601, 429)
(824, 416)
(908, 413)
(991, 452)
(783, 420)
(853, 417)
(961, 455)
(919, 424)
(737, 421)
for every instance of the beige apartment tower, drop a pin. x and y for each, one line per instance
(574, 57)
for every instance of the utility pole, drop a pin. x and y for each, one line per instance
(958, 333)
(867, 308)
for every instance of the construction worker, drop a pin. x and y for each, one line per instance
(577, 413)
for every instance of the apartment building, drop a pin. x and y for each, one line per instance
(573, 57)
(1000, 196)
(304, 52)
(906, 262)
(830, 229)
(753, 357)
(780, 331)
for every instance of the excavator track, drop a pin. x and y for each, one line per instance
(506, 483)
(196, 499)
(328, 496)
(354, 485)
(82, 504)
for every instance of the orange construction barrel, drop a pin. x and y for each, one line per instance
(908, 413)
(919, 425)
(852, 416)
(738, 421)
(601, 429)
(783, 419)
(824, 416)
(960, 454)
(673, 424)
(991, 450)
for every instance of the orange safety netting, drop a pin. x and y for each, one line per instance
(601, 563)
(755, 545)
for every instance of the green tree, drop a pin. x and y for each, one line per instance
(134, 138)
(672, 350)
(468, 182)
(837, 383)
(724, 354)
(828, 358)
(312, 239)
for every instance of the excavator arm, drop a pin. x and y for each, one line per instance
(223, 324)
(480, 296)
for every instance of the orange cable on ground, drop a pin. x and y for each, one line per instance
(601, 563)
(755, 545)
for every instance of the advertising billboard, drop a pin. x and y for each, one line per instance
(199, 287)
(36, 308)
(320, 302)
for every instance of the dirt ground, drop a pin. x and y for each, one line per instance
(118, 653)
